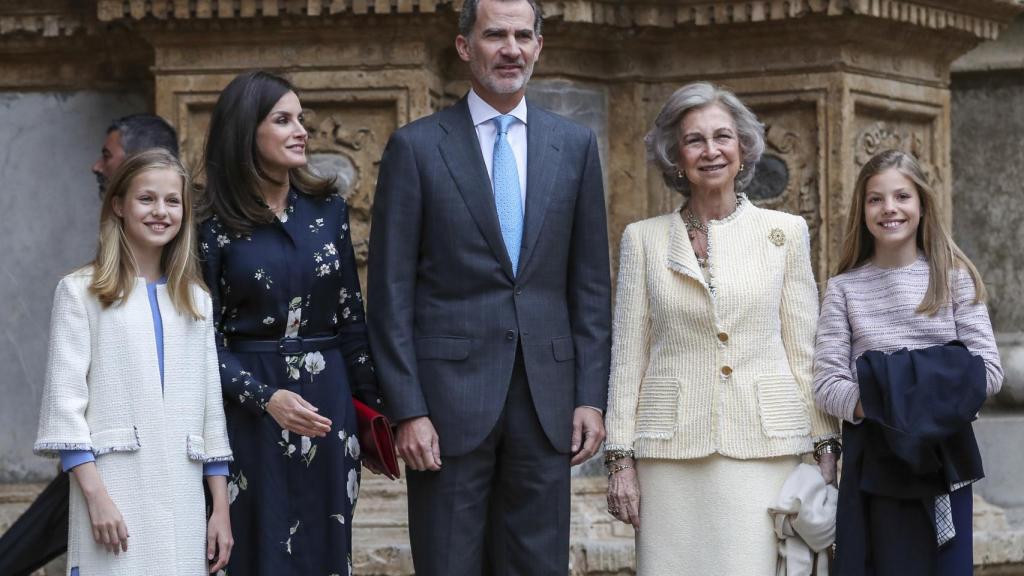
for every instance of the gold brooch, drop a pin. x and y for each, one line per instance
(777, 237)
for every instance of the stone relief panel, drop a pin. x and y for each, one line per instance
(346, 140)
(788, 176)
(874, 136)
(348, 130)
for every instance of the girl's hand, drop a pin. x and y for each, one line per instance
(294, 414)
(108, 527)
(624, 495)
(827, 465)
(218, 539)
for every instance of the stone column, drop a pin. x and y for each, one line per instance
(988, 172)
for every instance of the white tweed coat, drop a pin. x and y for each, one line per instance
(723, 368)
(103, 394)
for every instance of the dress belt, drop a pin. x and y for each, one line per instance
(288, 346)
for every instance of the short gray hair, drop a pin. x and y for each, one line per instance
(662, 142)
(467, 18)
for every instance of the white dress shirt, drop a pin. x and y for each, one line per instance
(483, 115)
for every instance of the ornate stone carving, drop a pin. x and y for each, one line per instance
(880, 136)
(793, 147)
(347, 142)
(982, 21)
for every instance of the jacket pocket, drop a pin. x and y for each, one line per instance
(783, 411)
(658, 408)
(563, 349)
(442, 348)
(115, 440)
(195, 446)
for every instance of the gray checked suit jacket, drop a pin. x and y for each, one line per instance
(445, 312)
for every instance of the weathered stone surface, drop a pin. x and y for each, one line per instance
(988, 163)
(999, 436)
(51, 213)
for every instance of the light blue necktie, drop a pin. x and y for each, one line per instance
(507, 196)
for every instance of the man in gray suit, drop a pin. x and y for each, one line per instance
(489, 306)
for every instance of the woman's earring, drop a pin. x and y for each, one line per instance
(742, 166)
(679, 174)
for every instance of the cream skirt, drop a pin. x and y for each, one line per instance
(709, 516)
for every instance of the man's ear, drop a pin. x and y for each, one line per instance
(462, 47)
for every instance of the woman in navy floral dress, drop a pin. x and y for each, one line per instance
(277, 256)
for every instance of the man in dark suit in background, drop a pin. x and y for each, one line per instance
(489, 309)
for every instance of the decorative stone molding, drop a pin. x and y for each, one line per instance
(984, 21)
(45, 25)
(46, 18)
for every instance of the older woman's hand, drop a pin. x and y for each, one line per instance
(827, 465)
(624, 494)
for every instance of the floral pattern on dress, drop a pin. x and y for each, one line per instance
(293, 277)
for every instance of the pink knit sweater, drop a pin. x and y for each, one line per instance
(872, 308)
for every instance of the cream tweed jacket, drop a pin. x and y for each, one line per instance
(103, 393)
(721, 367)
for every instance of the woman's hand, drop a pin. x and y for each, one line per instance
(624, 494)
(858, 411)
(108, 527)
(294, 414)
(827, 465)
(218, 530)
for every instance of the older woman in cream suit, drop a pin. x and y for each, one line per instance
(710, 405)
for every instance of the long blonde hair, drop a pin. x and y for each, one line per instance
(115, 268)
(933, 238)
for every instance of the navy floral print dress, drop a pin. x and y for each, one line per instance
(292, 497)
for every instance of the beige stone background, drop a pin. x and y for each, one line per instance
(833, 80)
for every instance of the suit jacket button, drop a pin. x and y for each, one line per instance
(510, 335)
(726, 371)
(519, 291)
(723, 337)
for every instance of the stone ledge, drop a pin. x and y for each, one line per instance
(600, 545)
(983, 20)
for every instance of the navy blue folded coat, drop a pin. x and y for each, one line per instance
(914, 442)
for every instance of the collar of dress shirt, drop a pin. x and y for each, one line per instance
(482, 112)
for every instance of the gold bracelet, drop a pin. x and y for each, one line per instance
(614, 455)
(830, 446)
(616, 468)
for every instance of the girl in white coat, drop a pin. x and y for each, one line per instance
(132, 402)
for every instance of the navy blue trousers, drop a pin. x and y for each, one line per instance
(956, 558)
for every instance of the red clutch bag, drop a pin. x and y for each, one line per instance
(376, 441)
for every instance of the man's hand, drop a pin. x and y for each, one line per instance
(588, 429)
(418, 445)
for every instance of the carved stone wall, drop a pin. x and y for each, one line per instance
(834, 81)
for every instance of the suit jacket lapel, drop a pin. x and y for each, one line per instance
(461, 152)
(543, 156)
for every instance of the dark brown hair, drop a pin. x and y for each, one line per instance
(231, 162)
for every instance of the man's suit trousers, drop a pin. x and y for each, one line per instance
(500, 510)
